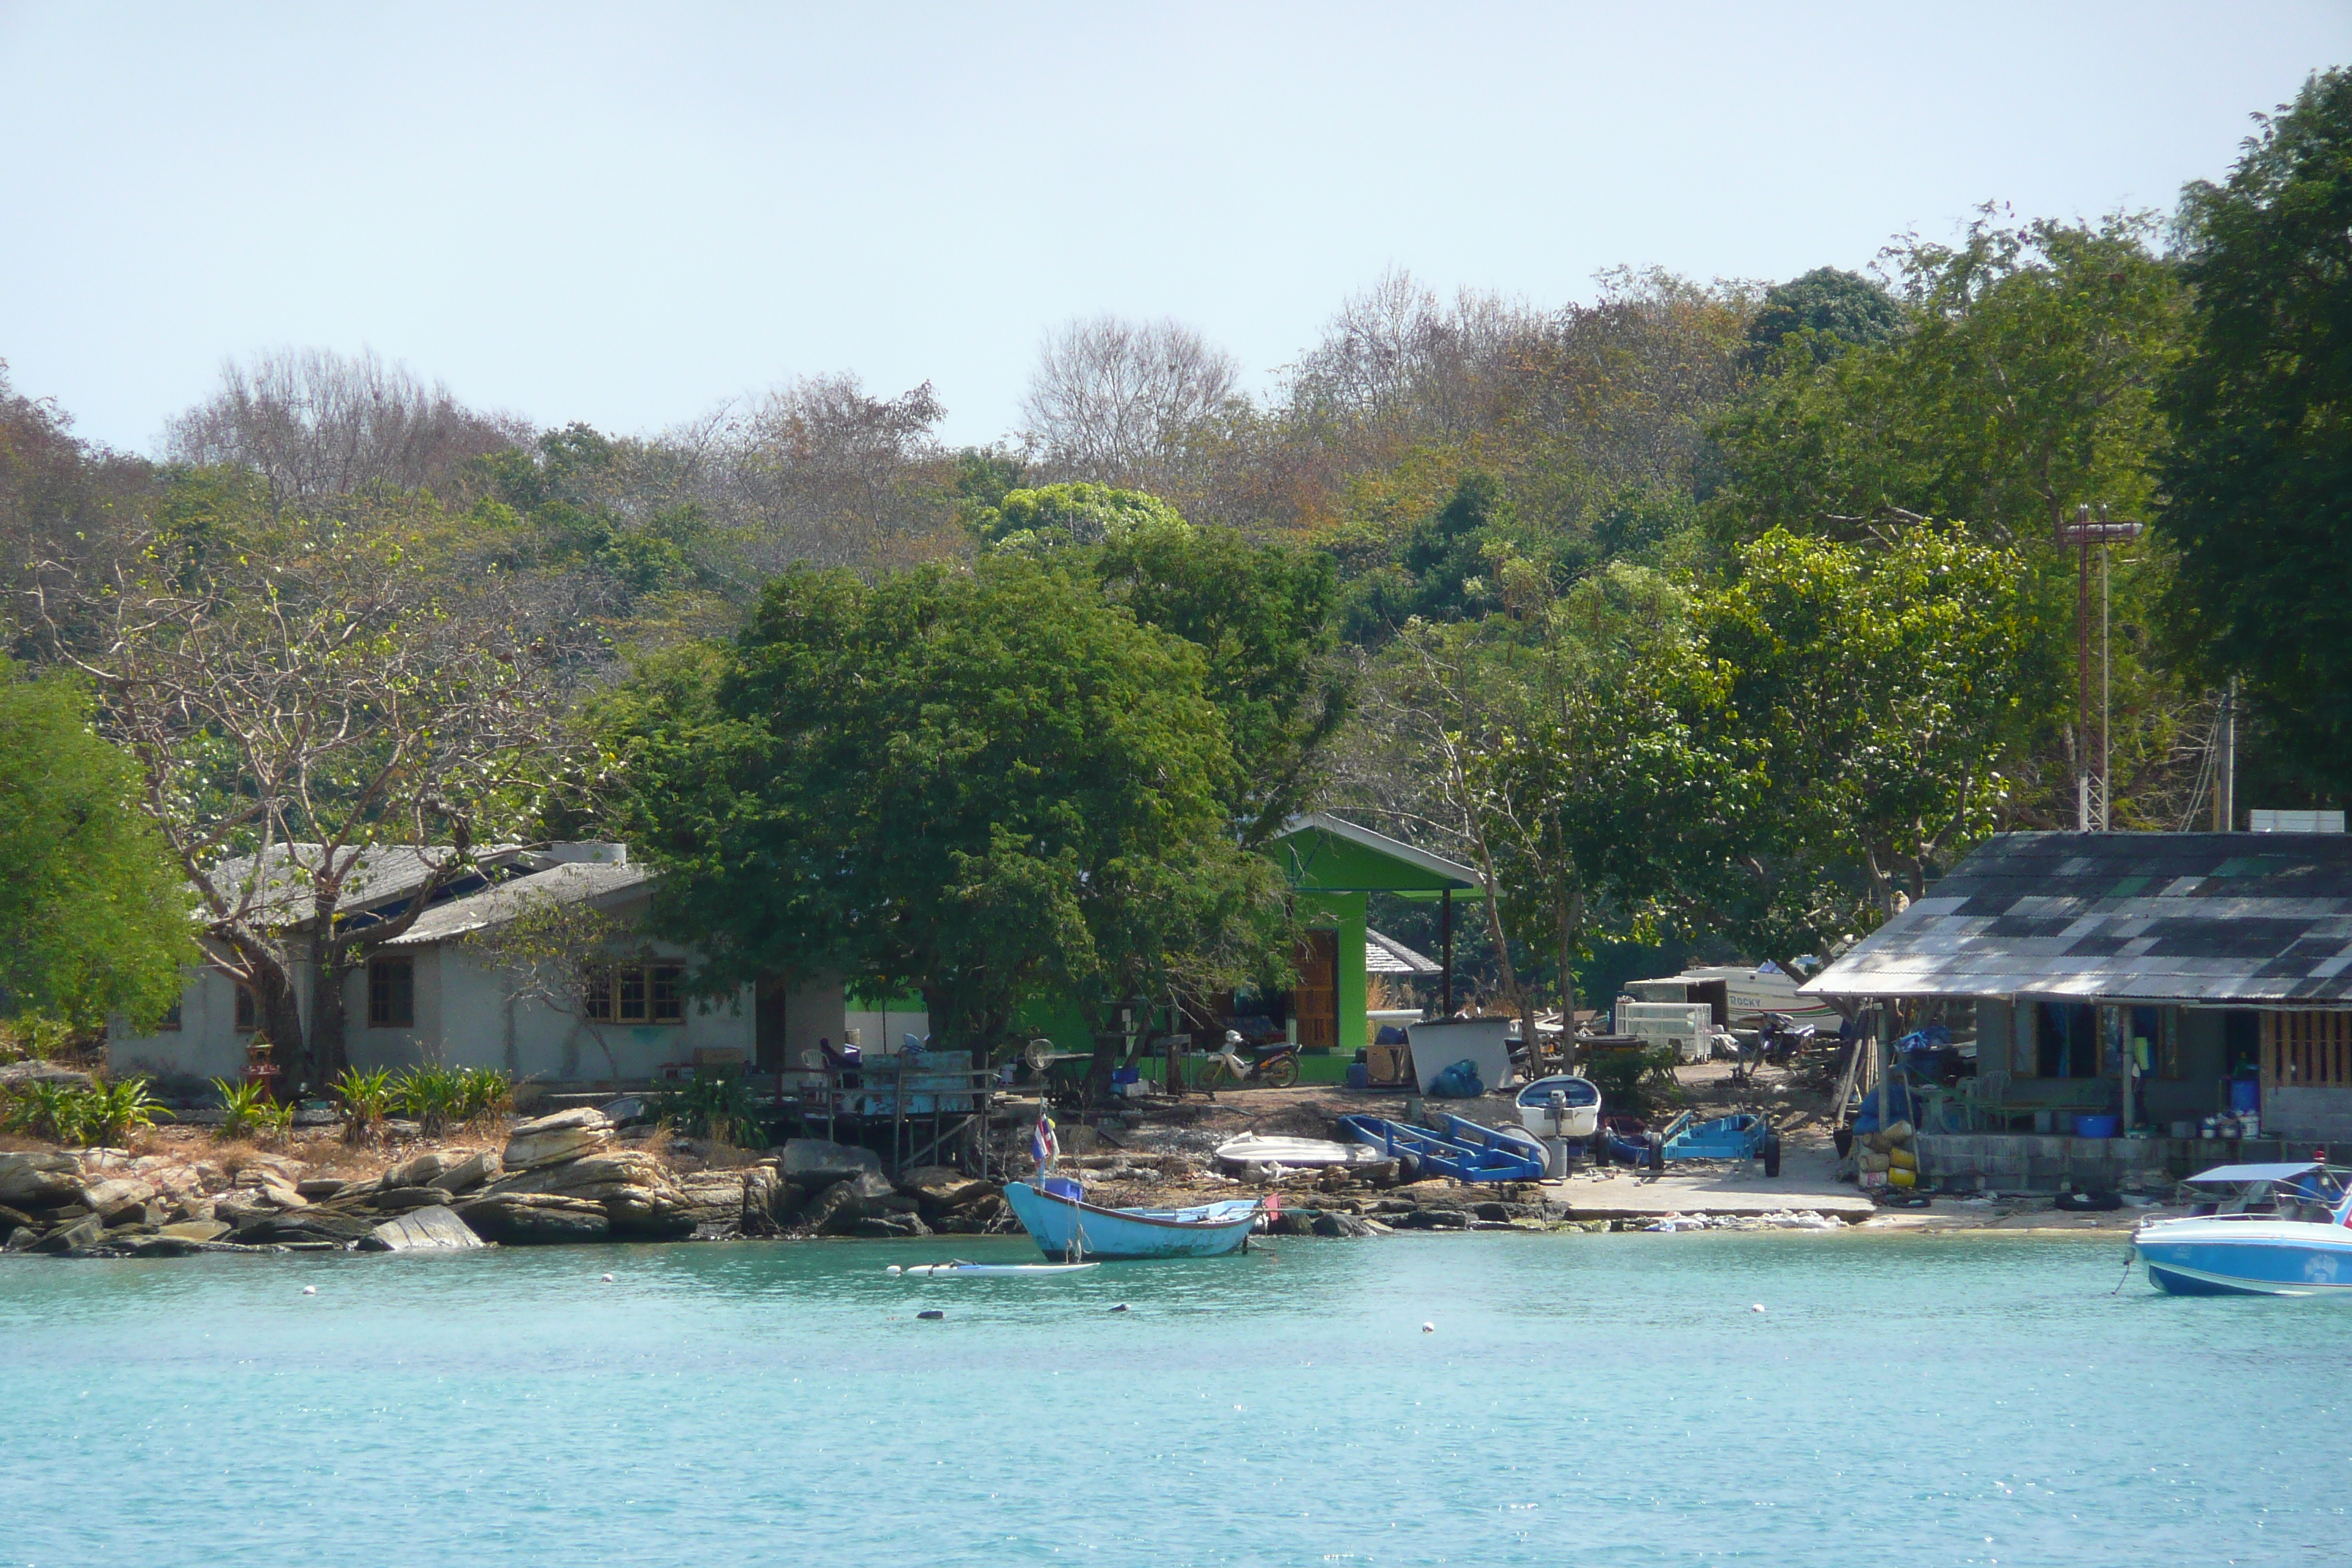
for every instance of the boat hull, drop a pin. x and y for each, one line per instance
(1581, 1115)
(2247, 1257)
(1060, 1225)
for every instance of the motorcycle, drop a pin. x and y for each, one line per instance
(1275, 1066)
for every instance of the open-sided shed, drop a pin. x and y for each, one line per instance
(1333, 866)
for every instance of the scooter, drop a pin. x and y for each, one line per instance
(1784, 1040)
(1277, 1066)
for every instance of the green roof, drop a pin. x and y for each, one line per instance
(1322, 854)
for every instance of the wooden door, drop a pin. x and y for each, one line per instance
(768, 1024)
(1316, 1002)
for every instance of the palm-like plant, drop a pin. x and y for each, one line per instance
(484, 1094)
(249, 1112)
(55, 1111)
(367, 1099)
(434, 1096)
(112, 1112)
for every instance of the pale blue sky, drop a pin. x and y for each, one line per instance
(626, 215)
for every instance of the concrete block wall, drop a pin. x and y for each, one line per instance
(2027, 1162)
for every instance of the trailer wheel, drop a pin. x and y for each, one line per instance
(1772, 1155)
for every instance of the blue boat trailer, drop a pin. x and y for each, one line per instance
(1431, 1154)
(1735, 1137)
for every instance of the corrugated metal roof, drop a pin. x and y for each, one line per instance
(382, 873)
(2187, 917)
(1383, 955)
(575, 883)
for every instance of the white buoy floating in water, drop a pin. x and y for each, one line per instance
(1758, 1308)
(1428, 1328)
(310, 1289)
(608, 1279)
(894, 1271)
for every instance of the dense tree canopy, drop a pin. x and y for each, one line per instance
(1839, 310)
(2260, 481)
(98, 920)
(997, 787)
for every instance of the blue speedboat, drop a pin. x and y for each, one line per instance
(1426, 1152)
(1065, 1227)
(2262, 1230)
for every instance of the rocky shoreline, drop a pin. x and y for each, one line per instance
(582, 1176)
(571, 1177)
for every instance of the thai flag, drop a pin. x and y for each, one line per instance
(1043, 1145)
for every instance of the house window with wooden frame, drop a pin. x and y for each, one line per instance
(392, 994)
(636, 994)
(2307, 1050)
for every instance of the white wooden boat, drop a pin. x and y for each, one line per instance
(962, 1270)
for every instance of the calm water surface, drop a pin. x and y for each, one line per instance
(1582, 1399)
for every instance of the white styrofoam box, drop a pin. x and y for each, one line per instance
(1687, 1026)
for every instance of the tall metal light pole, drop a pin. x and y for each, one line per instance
(2090, 759)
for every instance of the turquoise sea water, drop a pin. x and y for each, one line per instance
(1582, 1399)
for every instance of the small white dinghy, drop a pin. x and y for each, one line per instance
(988, 1271)
(1301, 1153)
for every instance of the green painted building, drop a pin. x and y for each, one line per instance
(1333, 866)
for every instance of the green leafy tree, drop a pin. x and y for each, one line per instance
(1835, 309)
(97, 915)
(1264, 618)
(994, 787)
(2259, 484)
(2026, 385)
(1888, 688)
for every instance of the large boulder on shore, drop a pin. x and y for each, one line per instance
(38, 1181)
(484, 1165)
(293, 1225)
(769, 1200)
(837, 1210)
(435, 1229)
(635, 1193)
(117, 1198)
(526, 1219)
(566, 1136)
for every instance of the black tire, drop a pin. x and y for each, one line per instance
(1843, 1139)
(1657, 1155)
(1281, 1072)
(1772, 1155)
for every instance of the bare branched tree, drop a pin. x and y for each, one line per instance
(1119, 401)
(323, 719)
(821, 471)
(316, 424)
(1396, 364)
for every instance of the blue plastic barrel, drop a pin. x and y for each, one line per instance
(2245, 1094)
(2094, 1126)
(1360, 1077)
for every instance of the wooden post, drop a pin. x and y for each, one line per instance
(1445, 937)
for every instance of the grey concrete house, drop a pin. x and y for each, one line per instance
(440, 994)
(2132, 975)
